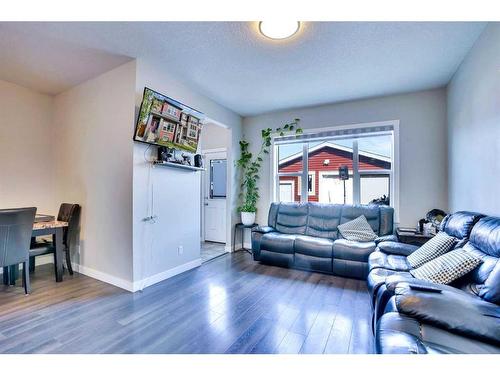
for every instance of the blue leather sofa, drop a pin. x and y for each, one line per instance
(460, 318)
(305, 236)
(389, 261)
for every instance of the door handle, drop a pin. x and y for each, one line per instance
(206, 204)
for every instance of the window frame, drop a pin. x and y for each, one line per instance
(394, 174)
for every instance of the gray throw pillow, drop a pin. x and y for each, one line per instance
(438, 245)
(357, 230)
(448, 267)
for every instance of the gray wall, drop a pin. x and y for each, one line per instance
(474, 128)
(423, 152)
(27, 154)
(176, 193)
(93, 145)
(214, 136)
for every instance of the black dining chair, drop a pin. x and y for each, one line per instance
(70, 213)
(16, 225)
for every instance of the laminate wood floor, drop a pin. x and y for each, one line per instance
(229, 305)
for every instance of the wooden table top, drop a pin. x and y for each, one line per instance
(49, 224)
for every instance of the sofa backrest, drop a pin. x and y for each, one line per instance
(291, 218)
(484, 241)
(322, 220)
(459, 225)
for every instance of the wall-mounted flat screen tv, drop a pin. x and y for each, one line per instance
(166, 122)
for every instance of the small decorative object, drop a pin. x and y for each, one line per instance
(186, 159)
(198, 161)
(250, 166)
(383, 200)
(164, 154)
(435, 216)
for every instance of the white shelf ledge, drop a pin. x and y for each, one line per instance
(178, 166)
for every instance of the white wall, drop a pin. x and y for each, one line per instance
(474, 128)
(176, 193)
(26, 149)
(214, 136)
(93, 128)
(423, 151)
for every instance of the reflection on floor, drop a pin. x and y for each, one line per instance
(234, 305)
(211, 250)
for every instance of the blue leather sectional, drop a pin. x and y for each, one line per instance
(305, 236)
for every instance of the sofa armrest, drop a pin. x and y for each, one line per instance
(396, 248)
(392, 282)
(389, 237)
(463, 314)
(263, 229)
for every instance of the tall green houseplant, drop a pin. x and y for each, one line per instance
(250, 164)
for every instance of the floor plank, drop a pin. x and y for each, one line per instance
(230, 304)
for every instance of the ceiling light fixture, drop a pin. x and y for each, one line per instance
(278, 29)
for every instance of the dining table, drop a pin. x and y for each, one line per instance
(55, 228)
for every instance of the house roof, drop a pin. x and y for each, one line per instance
(335, 146)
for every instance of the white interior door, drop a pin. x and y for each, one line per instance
(215, 181)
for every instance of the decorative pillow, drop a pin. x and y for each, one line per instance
(438, 245)
(447, 267)
(357, 230)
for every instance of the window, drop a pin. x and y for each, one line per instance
(218, 178)
(311, 184)
(333, 189)
(373, 187)
(287, 189)
(310, 163)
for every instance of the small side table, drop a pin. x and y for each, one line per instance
(242, 228)
(413, 238)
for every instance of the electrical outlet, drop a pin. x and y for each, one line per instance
(180, 250)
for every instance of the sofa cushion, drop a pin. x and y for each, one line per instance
(435, 247)
(357, 230)
(371, 213)
(278, 242)
(292, 218)
(461, 313)
(400, 334)
(352, 250)
(448, 267)
(323, 220)
(459, 224)
(379, 259)
(314, 246)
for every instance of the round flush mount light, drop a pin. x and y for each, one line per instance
(278, 29)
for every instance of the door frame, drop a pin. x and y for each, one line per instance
(202, 193)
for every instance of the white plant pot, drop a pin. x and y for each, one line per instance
(248, 218)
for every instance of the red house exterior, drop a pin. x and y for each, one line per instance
(327, 157)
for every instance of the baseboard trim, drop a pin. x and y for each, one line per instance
(151, 280)
(105, 277)
(119, 282)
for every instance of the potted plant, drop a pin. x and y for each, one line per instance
(250, 166)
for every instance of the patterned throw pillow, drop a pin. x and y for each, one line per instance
(357, 230)
(438, 245)
(447, 267)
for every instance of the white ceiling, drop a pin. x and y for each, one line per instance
(237, 67)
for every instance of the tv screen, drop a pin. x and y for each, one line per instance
(165, 122)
